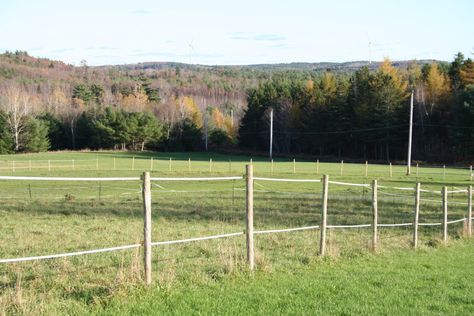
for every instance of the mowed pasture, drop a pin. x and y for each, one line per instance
(49, 217)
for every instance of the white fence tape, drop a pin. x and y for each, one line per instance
(286, 180)
(196, 179)
(350, 184)
(69, 254)
(395, 225)
(349, 226)
(67, 179)
(429, 224)
(284, 230)
(457, 221)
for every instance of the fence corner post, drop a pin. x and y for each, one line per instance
(146, 190)
(417, 215)
(374, 216)
(249, 216)
(324, 210)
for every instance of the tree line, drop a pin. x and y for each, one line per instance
(360, 114)
(366, 115)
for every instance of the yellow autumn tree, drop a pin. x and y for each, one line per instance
(387, 69)
(136, 101)
(328, 85)
(188, 108)
(436, 85)
(467, 72)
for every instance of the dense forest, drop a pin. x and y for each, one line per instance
(357, 110)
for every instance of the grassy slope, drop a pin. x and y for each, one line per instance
(438, 281)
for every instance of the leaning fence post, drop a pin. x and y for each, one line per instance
(249, 217)
(445, 214)
(374, 215)
(322, 227)
(146, 190)
(417, 215)
(469, 211)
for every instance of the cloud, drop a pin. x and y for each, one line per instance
(249, 36)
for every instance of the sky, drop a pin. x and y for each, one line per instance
(232, 32)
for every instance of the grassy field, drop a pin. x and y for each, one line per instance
(211, 277)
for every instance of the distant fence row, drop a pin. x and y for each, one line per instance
(249, 231)
(168, 164)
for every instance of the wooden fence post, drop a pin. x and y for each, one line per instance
(391, 171)
(469, 211)
(317, 166)
(374, 215)
(366, 168)
(151, 163)
(249, 216)
(445, 214)
(342, 167)
(324, 211)
(294, 165)
(417, 215)
(146, 190)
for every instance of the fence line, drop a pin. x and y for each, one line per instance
(249, 231)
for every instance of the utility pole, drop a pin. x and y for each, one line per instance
(271, 133)
(410, 134)
(205, 126)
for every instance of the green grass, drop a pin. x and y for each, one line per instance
(69, 216)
